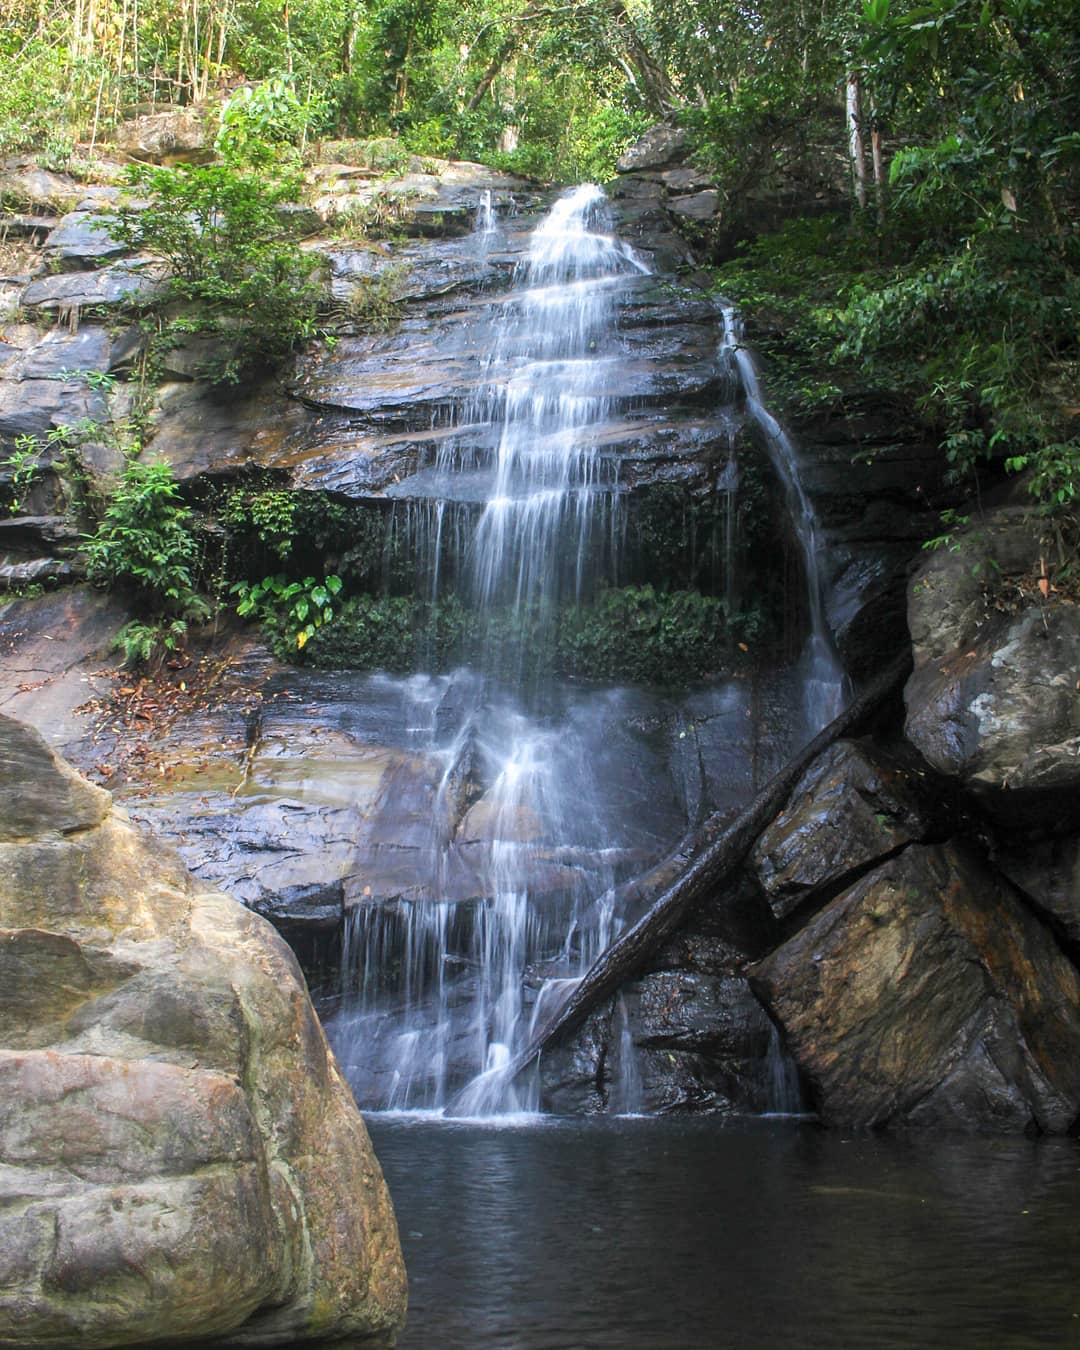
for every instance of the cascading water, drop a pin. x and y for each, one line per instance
(500, 843)
(518, 903)
(822, 673)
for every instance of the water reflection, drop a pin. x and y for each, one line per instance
(689, 1235)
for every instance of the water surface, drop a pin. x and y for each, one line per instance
(700, 1235)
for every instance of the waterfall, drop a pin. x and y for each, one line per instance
(505, 831)
(821, 671)
(518, 903)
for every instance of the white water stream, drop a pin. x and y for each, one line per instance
(442, 982)
(823, 680)
(522, 850)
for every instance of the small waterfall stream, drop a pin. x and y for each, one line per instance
(526, 840)
(822, 674)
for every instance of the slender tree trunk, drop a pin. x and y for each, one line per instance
(856, 150)
(881, 183)
(508, 136)
(496, 64)
(655, 83)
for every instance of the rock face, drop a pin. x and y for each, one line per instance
(173, 136)
(928, 995)
(993, 700)
(855, 806)
(181, 1157)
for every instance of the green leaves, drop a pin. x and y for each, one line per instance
(145, 543)
(298, 609)
(236, 276)
(257, 121)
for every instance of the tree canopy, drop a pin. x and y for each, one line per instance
(955, 124)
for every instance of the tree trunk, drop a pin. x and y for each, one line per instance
(697, 868)
(657, 88)
(881, 183)
(652, 83)
(856, 150)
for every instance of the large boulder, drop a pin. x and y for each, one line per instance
(181, 1158)
(173, 136)
(929, 995)
(1048, 872)
(994, 699)
(854, 806)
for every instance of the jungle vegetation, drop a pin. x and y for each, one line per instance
(939, 274)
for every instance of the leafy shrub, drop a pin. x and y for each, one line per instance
(293, 611)
(258, 121)
(145, 543)
(267, 512)
(235, 275)
(24, 464)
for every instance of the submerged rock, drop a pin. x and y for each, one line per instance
(928, 995)
(181, 1156)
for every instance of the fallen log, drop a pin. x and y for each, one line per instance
(703, 861)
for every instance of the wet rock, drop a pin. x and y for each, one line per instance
(39, 532)
(130, 284)
(993, 699)
(17, 572)
(202, 430)
(54, 647)
(82, 240)
(702, 1041)
(856, 805)
(722, 936)
(874, 485)
(176, 135)
(929, 995)
(659, 146)
(182, 1157)
(1048, 873)
(572, 1076)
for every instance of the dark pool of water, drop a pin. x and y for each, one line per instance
(699, 1235)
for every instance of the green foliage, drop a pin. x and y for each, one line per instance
(267, 512)
(34, 106)
(258, 123)
(292, 610)
(632, 633)
(235, 276)
(140, 643)
(145, 543)
(968, 338)
(24, 466)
